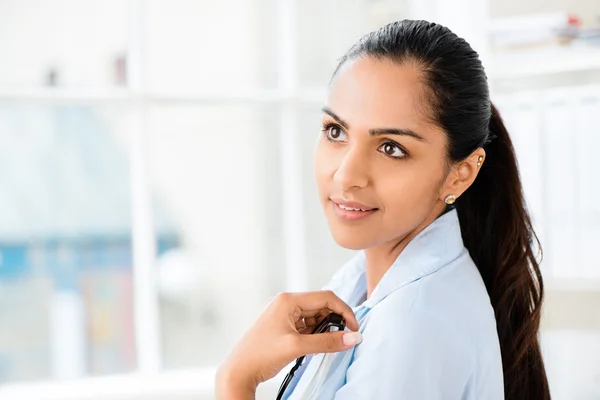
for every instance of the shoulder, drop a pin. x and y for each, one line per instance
(406, 323)
(432, 338)
(410, 350)
(449, 309)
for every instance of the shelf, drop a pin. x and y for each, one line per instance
(556, 60)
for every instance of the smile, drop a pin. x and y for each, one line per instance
(348, 213)
(353, 209)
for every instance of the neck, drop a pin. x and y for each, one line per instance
(381, 257)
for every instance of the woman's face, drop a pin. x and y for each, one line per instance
(380, 165)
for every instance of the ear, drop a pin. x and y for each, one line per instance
(463, 174)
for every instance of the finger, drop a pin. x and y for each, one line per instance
(313, 317)
(311, 321)
(311, 324)
(301, 324)
(321, 303)
(329, 342)
(324, 299)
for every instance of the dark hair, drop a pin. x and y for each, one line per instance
(495, 224)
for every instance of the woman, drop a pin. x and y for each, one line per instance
(416, 170)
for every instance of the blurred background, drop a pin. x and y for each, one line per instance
(156, 177)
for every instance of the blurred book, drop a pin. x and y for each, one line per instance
(554, 135)
(106, 285)
(521, 113)
(585, 122)
(560, 179)
(24, 339)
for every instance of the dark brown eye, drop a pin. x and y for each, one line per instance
(335, 132)
(392, 150)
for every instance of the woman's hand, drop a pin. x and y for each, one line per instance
(279, 336)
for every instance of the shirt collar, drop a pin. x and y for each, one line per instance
(437, 245)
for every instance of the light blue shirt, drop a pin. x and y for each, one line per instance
(429, 330)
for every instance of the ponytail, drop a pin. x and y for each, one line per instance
(497, 231)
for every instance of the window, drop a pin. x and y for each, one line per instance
(65, 242)
(157, 185)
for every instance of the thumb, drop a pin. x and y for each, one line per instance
(330, 342)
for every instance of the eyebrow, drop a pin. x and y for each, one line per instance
(378, 131)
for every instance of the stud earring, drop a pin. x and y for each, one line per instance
(479, 161)
(450, 199)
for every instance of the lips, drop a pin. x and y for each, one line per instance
(351, 210)
(343, 207)
(352, 205)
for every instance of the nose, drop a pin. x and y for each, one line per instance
(352, 173)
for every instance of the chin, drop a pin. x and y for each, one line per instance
(348, 239)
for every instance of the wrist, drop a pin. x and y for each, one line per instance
(232, 385)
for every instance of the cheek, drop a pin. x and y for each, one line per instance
(410, 192)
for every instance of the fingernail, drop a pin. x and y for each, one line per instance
(352, 338)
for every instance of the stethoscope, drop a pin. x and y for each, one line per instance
(333, 320)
